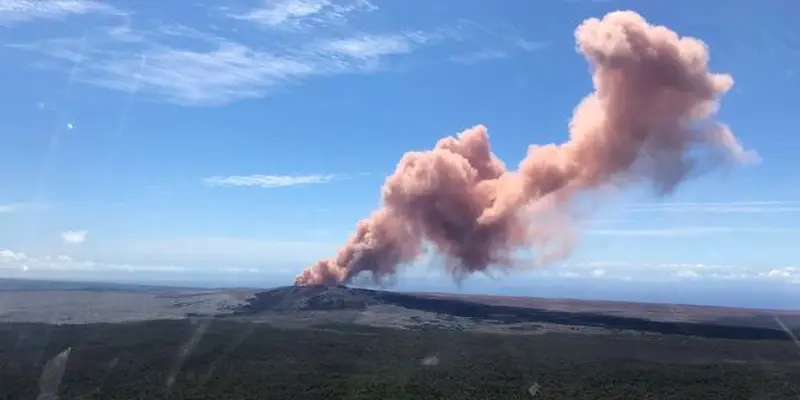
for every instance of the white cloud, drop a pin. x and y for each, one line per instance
(16, 11)
(602, 264)
(185, 258)
(59, 267)
(8, 208)
(598, 273)
(686, 274)
(10, 260)
(268, 181)
(8, 256)
(671, 271)
(74, 237)
(783, 273)
(207, 254)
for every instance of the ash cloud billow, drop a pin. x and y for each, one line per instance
(648, 121)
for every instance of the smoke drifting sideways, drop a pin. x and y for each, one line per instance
(648, 121)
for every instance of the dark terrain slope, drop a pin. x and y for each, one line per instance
(222, 359)
(319, 298)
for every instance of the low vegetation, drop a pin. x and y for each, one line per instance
(213, 359)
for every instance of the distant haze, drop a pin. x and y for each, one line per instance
(777, 295)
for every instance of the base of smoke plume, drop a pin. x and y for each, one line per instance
(541, 254)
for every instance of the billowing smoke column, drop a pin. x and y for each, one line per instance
(653, 102)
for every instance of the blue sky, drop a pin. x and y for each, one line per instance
(239, 141)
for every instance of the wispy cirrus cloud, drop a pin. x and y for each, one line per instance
(368, 46)
(206, 254)
(762, 211)
(503, 44)
(719, 207)
(269, 181)
(501, 50)
(689, 231)
(231, 72)
(8, 208)
(195, 63)
(17, 11)
(296, 14)
(478, 56)
(211, 70)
